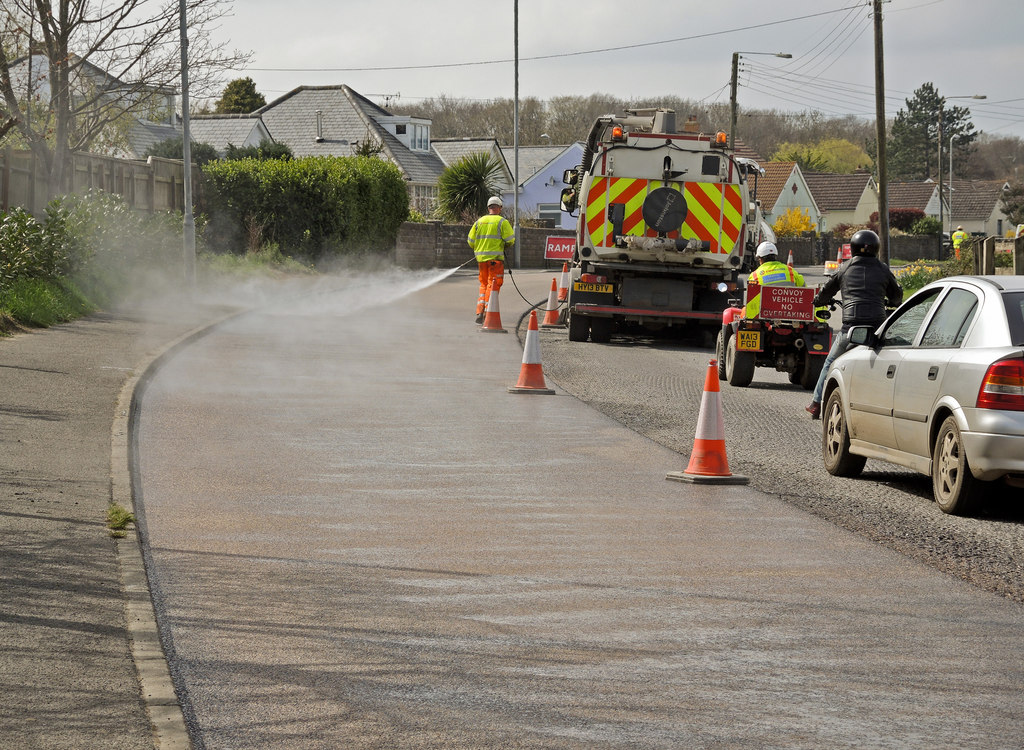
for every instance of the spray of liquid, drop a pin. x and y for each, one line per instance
(353, 292)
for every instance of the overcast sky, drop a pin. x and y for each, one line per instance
(399, 52)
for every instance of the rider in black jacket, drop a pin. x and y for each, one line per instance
(867, 286)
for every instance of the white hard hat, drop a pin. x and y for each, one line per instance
(766, 248)
(493, 201)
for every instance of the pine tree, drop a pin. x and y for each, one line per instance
(914, 138)
(240, 97)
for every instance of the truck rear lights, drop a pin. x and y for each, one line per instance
(593, 278)
(1003, 386)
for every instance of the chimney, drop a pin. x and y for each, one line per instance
(691, 125)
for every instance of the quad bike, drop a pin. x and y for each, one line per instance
(789, 334)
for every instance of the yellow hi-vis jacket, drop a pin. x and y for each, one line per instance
(958, 237)
(766, 274)
(489, 237)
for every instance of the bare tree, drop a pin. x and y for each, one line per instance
(74, 72)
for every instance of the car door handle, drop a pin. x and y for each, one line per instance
(891, 371)
(933, 372)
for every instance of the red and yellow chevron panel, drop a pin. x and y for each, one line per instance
(714, 211)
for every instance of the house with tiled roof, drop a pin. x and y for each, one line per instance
(744, 151)
(540, 181)
(453, 150)
(336, 121)
(221, 131)
(143, 135)
(920, 195)
(782, 187)
(976, 205)
(843, 198)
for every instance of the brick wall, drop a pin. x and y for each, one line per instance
(438, 245)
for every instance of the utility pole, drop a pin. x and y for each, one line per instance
(883, 179)
(189, 226)
(938, 167)
(734, 83)
(732, 99)
(515, 147)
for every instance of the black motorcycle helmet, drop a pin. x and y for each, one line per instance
(864, 242)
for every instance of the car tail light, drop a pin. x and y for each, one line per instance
(1003, 386)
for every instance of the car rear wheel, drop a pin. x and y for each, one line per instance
(835, 441)
(739, 367)
(579, 327)
(812, 370)
(956, 490)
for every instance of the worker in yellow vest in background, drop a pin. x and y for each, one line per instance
(958, 238)
(489, 237)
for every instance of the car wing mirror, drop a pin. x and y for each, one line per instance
(863, 336)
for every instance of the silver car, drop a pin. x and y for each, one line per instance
(938, 388)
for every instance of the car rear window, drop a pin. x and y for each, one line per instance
(1014, 302)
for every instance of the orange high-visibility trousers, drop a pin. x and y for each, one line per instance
(492, 274)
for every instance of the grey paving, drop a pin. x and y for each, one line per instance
(67, 678)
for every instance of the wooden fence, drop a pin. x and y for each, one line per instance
(152, 185)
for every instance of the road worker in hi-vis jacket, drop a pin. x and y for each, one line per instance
(770, 270)
(489, 237)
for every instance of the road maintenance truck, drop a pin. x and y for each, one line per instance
(667, 223)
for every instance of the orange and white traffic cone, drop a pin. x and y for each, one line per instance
(708, 462)
(492, 319)
(531, 375)
(551, 311)
(790, 261)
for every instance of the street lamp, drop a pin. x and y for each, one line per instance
(938, 166)
(951, 139)
(733, 84)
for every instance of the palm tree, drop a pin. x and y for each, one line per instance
(466, 185)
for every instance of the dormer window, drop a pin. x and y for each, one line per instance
(414, 133)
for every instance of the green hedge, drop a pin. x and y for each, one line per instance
(310, 207)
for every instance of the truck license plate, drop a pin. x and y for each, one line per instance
(748, 341)
(585, 286)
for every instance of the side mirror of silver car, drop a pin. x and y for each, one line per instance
(863, 336)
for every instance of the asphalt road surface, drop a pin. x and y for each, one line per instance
(357, 538)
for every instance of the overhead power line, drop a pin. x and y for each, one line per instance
(580, 53)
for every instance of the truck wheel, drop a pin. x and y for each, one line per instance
(720, 343)
(956, 490)
(601, 330)
(812, 370)
(579, 327)
(796, 375)
(835, 440)
(739, 367)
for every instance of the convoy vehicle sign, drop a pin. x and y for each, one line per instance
(787, 303)
(713, 211)
(559, 248)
